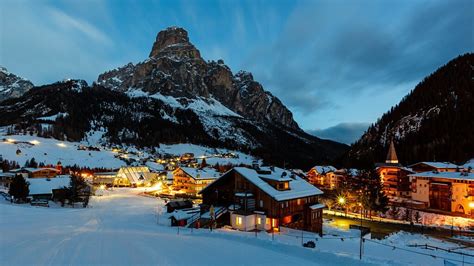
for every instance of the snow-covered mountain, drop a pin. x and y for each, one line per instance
(11, 85)
(172, 97)
(434, 122)
(176, 71)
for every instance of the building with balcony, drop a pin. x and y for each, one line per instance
(191, 181)
(265, 199)
(394, 176)
(445, 191)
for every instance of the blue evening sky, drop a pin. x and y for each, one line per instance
(337, 65)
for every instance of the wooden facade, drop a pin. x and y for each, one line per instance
(234, 188)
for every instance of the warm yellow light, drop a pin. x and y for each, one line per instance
(156, 187)
(471, 204)
(10, 140)
(62, 145)
(34, 142)
(102, 187)
(341, 200)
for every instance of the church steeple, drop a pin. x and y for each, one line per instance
(392, 155)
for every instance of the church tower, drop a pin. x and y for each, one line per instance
(392, 155)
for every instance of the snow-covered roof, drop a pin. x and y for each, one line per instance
(299, 188)
(46, 185)
(448, 175)
(317, 206)
(33, 170)
(468, 164)
(135, 175)
(437, 165)
(352, 171)
(201, 173)
(324, 168)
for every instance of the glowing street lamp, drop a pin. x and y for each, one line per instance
(34, 142)
(62, 145)
(341, 200)
(10, 140)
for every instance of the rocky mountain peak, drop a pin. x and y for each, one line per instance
(175, 69)
(11, 85)
(173, 41)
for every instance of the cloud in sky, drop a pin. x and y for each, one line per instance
(346, 133)
(328, 61)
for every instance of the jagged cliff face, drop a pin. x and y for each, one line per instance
(172, 97)
(175, 68)
(12, 86)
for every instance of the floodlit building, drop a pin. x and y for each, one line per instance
(29, 172)
(434, 166)
(394, 176)
(134, 176)
(191, 181)
(130, 176)
(106, 178)
(445, 191)
(323, 176)
(265, 199)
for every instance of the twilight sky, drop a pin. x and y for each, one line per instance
(337, 65)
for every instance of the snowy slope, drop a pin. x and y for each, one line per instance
(11, 85)
(121, 229)
(50, 151)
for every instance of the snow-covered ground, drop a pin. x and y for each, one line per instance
(121, 228)
(50, 151)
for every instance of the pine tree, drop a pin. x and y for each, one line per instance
(19, 188)
(78, 190)
(373, 198)
(203, 163)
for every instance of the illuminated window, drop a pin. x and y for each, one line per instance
(259, 220)
(238, 220)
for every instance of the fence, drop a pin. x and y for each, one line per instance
(465, 258)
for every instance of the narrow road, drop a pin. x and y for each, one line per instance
(382, 229)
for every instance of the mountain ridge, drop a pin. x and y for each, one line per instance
(432, 123)
(172, 97)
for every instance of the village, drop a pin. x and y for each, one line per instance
(253, 197)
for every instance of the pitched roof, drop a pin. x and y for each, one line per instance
(392, 154)
(32, 170)
(135, 174)
(437, 165)
(324, 168)
(299, 188)
(447, 175)
(46, 185)
(204, 173)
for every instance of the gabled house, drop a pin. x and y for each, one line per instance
(29, 172)
(134, 176)
(434, 166)
(265, 199)
(445, 191)
(191, 181)
(323, 176)
(394, 176)
(43, 188)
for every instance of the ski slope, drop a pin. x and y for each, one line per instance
(120, 228)
(51, 151)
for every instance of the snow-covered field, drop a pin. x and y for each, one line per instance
(121, 228)
(50, 151)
